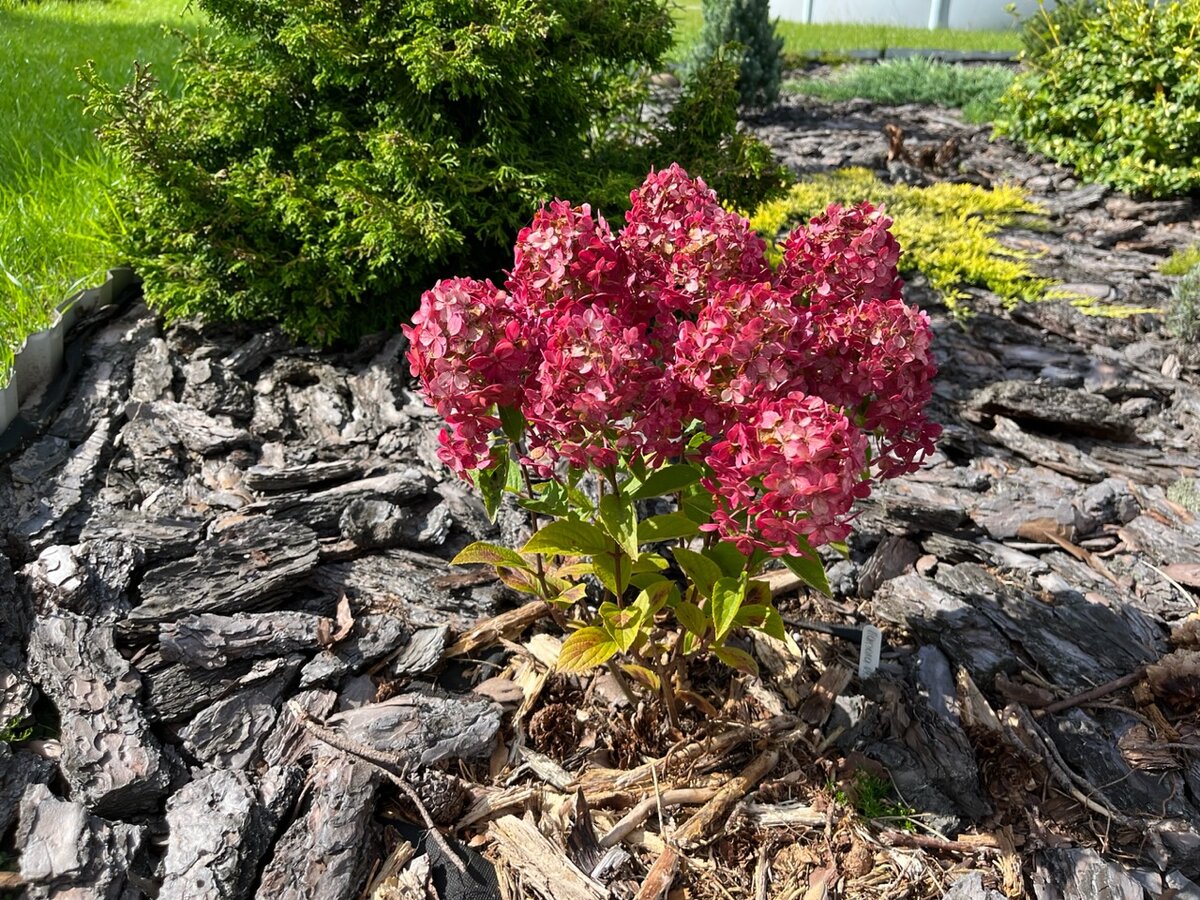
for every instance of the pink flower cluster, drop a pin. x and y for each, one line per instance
(811, 380)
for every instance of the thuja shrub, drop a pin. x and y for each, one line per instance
(744, 29)
(326, 161)
(668, 359)
(948, 231)
(1116, 96)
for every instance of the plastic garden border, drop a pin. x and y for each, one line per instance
(40, 359)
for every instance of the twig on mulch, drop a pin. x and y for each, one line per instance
(1102, 690)
(394, 765)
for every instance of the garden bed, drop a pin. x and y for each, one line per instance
(217, 541)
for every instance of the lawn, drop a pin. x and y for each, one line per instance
(54, 180)
(800, 39)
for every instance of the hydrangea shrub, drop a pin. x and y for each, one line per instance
(670, 359)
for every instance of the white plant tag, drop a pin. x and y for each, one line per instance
(868, 653)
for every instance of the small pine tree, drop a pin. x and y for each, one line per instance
(747, 25)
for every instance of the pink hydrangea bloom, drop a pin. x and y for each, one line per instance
(842, 254)
(470, 353)
(786, 474)
(681, 241)
(615, 345)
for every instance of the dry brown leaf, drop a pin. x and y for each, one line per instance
(1185, 573)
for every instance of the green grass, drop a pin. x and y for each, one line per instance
(975, 90)
(801, 40)
(55, 182)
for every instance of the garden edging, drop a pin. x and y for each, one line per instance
(40, 359)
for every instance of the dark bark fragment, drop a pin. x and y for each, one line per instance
(246, 566)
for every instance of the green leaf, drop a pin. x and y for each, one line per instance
(751, 615)
(697, 504)
(514, 480)
(692, 618)
(699, 569)
(490, 482)
(728, 594)
(811, 571)
(623, 625)
(569, 597)
(585, 649)
(667, 480)
(613, 571)
(620, 521)
(489, 554)
(513, 423)
(650, 562)
(731, 560)
(736, 659)
(567, 538)
(647, 677)
(774, 626)
(551, 500)
(666, 528)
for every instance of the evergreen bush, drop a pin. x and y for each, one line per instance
(746, 28)
(327, 161)
(1114, 92)
(1183, 317)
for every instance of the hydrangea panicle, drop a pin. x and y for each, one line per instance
(812, 379)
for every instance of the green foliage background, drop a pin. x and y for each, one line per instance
(1112, 89)
(327, 161)
(744, 29)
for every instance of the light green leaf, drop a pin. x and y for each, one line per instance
(692, 618)
(699, 569)
(490, 482)
(647, 677)
(570, 596)
(728, 594)
(811, 571)
(667, 480)
(489, 554)
(731, 560)
(567, 538)
(613, 571)
(585, 649)
(737, 659)
(650, 562)
(774, 625)
(620, 521)
(666, 528)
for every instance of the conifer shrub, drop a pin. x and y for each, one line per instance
(327, 161)
(745, 29)
(1183, 316)
(1114, 92)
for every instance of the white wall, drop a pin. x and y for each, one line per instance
(911, 13)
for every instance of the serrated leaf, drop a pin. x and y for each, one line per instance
(774, 625)
(728, 595)
(567, 538)
(699, 569)
(490, 482)
(690, 643)
(513, 423)
(570, 596)
(585, 649)
(667, 480)
(620, 521)
(613, 570)
(489, 554)
(736, 659)
(731, 560)
(551, 499)
(514, 480)
(650, 562)
(647, 677)
(520, 580)
(811, 571)
(666, 527)
(697, 504)
(751, 615)
(692, 618)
